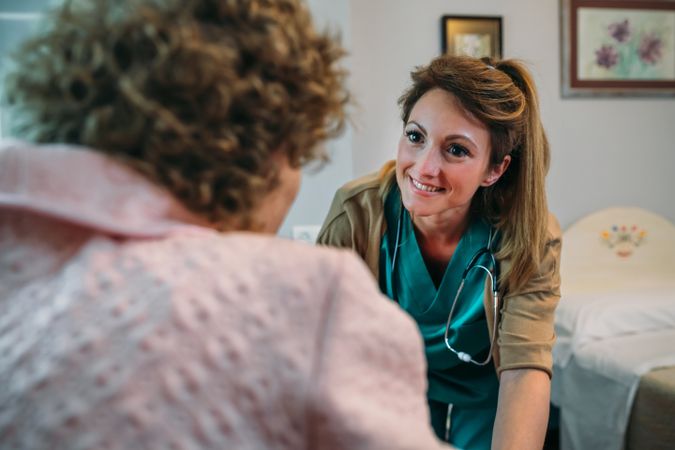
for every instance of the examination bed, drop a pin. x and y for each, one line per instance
(614, 359)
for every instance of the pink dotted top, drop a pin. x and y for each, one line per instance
(124, 324)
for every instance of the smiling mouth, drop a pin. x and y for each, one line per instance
(425, 187)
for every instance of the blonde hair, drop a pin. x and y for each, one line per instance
(502, 95)
(195, 94)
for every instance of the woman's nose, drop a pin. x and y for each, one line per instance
(429, 163)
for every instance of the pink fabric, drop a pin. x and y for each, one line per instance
(124, 324)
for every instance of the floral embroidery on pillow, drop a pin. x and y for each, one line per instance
(623, 239)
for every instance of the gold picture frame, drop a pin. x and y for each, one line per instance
(476, 36)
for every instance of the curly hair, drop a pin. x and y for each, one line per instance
(502, 95)
(195, 94)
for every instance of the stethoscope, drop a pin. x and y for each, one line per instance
(473, 265)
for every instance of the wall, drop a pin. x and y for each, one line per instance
(16, 22)
(605, 151)
(318, 186)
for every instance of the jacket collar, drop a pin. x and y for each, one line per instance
(88, 188)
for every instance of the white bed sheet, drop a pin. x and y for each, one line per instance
(595, 391)
(606, 342)
(583, 319)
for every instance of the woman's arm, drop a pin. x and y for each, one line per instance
(522, 410)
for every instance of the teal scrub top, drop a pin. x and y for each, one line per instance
(451, 380)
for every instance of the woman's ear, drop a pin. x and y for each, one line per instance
(496, 172)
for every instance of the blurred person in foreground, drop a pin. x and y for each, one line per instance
(144, 302)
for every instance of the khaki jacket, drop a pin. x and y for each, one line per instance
(525, 334)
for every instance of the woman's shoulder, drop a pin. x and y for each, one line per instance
(243, 252)
(553, 231)
(226, 269)
(361, 199)
(356, 215)
(368, 187)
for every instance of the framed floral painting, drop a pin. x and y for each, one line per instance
(618, 48)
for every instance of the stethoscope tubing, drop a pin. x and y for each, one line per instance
(491, 274)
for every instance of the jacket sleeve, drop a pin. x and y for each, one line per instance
(526, 328)
(336, 228)
(369, 380)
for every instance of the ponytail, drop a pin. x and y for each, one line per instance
(524, 224)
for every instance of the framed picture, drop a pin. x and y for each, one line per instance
(472, 35)
(618, 48)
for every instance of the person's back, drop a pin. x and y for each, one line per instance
(170, 335)
(143, 300)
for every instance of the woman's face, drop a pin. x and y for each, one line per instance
(443, 157)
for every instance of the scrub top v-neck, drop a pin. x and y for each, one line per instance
(410, 284)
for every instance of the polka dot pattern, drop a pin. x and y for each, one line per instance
(191, 339)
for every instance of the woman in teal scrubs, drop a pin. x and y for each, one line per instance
(458, 233)
(471, 389)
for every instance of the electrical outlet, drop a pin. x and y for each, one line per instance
(306, 233)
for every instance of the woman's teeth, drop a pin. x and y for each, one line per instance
(424, 187)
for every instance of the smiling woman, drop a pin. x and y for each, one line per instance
(443, 158)
(456, 223)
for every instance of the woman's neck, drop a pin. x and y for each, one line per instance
(441, 230)
(437, 238)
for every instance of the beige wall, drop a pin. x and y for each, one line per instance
(318, 187)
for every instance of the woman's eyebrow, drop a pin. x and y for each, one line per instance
(460, 137)
(422, 129)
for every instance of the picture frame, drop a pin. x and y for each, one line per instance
(476, 36)
(617, 48)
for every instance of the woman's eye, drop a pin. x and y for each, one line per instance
(457, 150)
(414, 136)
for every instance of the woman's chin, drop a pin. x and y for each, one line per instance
(417, 210)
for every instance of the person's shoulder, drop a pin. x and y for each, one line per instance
(553, 231)
(367, 186)
(254, 253)
(236, 267)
